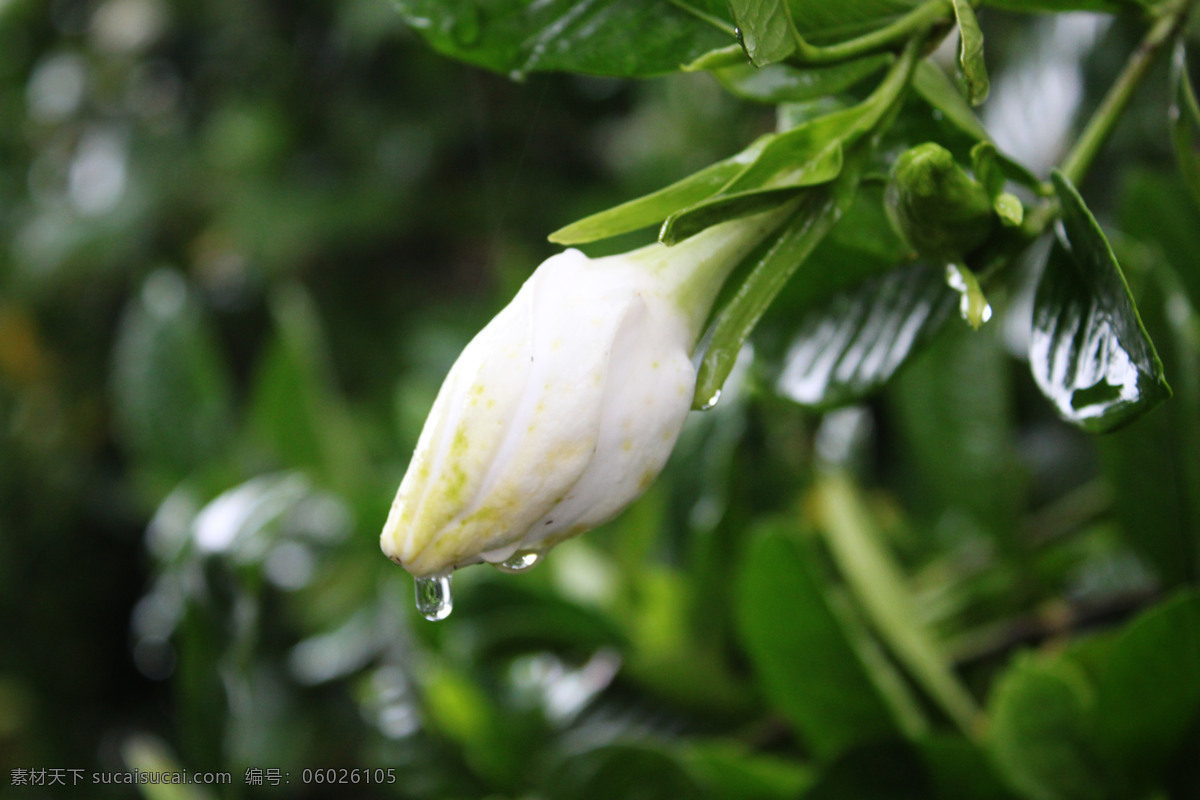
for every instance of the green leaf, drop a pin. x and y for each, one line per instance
(733, 55)
(620, 771)
(731, 771)
(881, 589)
(806, 155)
(149, 755)
(823, 20)
(1039, 731)
(889, 770)
(1058, 6)
(765, 29)
(626, 38)
(1185, 122)
(852, 344)
(1163, 528)
(296, 406)
(805, 660)
(653, 208)
(1148, 692)
(821, 208)
(723, 208)
(936, 89)
(953, 412)
(1089, 351)
(960, 770)
(970, 53)
(780, 83)
(822, 167)
(170, 390)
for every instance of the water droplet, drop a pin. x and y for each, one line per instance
(434, 600)
(712, 401)
(517, 75)
(520, 561)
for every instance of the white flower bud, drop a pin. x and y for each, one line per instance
(563, 409)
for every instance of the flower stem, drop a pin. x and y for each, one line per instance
(920, 18)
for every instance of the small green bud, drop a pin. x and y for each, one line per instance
(937, 208)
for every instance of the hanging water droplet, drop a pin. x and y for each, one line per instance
(434, 600)
(520, 561)
(712, 401)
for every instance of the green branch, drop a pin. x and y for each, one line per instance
(1098, 128)
(920, 18)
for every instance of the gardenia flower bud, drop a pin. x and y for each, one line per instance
(563, 409)
(939, 209)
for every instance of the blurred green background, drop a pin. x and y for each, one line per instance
(240, 245)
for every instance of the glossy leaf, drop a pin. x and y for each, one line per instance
(1148, 692)
(733, 55)
(1185, 122)
(807, 664)
(765, 29)
(1089, 351)
(789, 158)
(780, 83)
(653, 208)
(823, 20)
(849, 346)
(822, 168)
(819, 211)
(970, 52)
(624, 38)
(1039, 732)
(723, 208)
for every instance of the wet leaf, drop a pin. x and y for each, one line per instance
(970, 52)
(820, 210)
(780, 83)
(1089, 351)
(623, 38)
(808, 665)
(765, 28)
(653, 208)
(851, 345)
